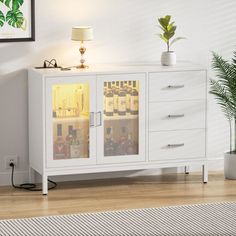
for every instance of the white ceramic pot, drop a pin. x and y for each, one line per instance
(230, 166)
(168, 58)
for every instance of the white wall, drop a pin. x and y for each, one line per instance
(125, 31)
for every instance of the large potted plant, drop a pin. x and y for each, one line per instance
(224, 90)
(168, 58)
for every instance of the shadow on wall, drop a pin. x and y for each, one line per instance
(16, 56)
(14, 119)
(14, 94)
(13, 51)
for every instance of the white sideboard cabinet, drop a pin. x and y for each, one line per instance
(116, 118)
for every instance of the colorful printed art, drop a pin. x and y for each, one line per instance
(16, 20)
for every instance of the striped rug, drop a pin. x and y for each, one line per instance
(205, 219)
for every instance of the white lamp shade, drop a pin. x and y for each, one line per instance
(82, 33)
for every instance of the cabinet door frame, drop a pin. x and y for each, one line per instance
(50, 81)
(141, 157)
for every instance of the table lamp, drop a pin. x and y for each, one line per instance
(82, 33)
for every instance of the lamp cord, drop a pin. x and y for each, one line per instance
(28, 186)
(48, 64)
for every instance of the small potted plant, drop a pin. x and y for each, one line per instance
(168, 58)
(224, 90)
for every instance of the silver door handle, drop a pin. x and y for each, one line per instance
(175, 116)
(99, 118)
(175, 145)
(92, 122)
(175, 86)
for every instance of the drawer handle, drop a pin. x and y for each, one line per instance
(175, 116)
(92, 119)
(99, 116)
(175, 86)
(175, 145)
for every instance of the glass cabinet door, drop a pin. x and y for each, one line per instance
(123, 108)
(71, 122)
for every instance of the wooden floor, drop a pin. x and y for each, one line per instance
(125, 193)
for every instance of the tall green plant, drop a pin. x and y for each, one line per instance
(224, 90)
(168, 29)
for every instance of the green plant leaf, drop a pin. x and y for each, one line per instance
(234, 62)
(167, 20)
(225, 88)
(2, 19)
(223, 98)
(173, 29)
(169, 35)
(164, 21)
(15, 18)
(16, 4)
(170, 26)
(163, 38)
(6, 2)
(168, 29)
(13, 4)
(225, 72)
(176, 40)
(162, 28)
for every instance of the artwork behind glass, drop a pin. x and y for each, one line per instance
(17, 20)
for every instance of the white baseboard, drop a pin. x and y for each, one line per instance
(22, 176)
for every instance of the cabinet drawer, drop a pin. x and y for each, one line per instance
(176, 115)
(177, 86)
(173, 145)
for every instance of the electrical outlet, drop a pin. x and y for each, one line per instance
(11, 159)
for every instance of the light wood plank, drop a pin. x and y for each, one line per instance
(117, 194)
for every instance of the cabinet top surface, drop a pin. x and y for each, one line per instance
(128, 68)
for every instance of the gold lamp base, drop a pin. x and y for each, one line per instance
(82, 66)
(82, 60)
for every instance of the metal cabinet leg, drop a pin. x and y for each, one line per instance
(205, 173)
(45, 184)
(186, 170)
